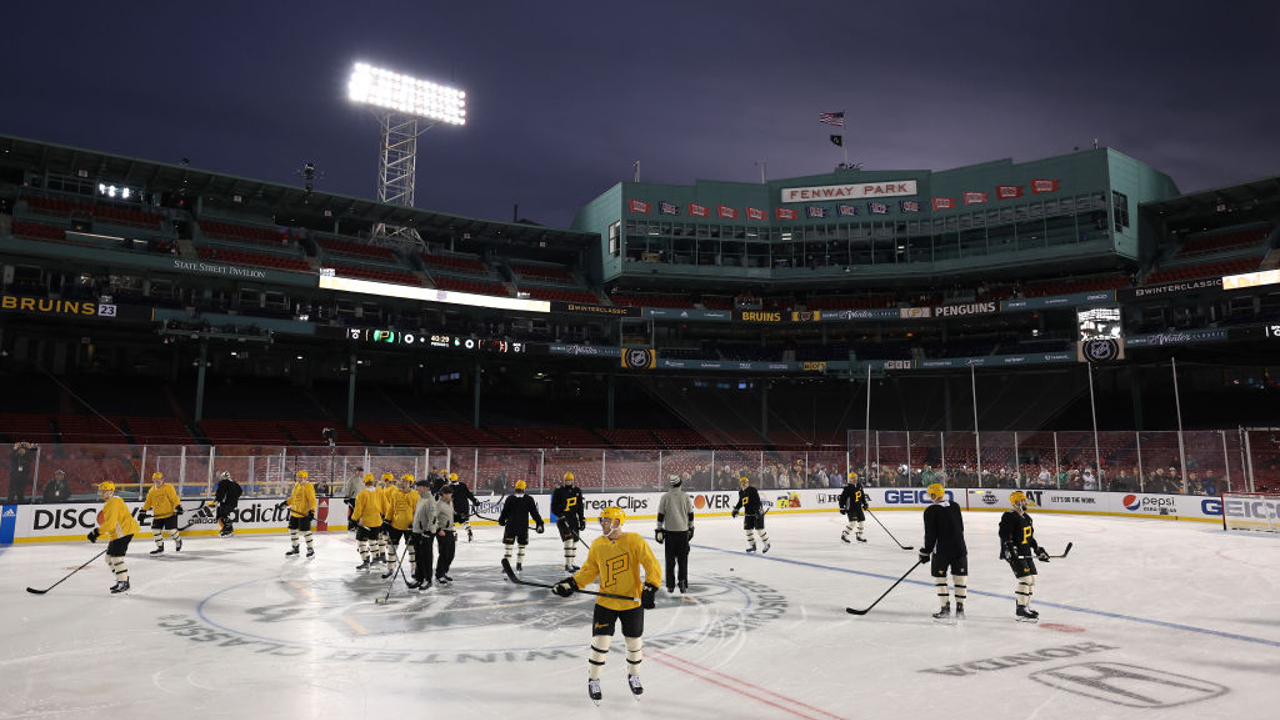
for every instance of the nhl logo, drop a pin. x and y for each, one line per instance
(638, 358)
(1101, 350)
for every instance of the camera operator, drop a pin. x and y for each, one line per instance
(22, 462)
(58, 490)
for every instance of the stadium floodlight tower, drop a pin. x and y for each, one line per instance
(401, 102)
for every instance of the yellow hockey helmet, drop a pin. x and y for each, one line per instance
(106, 486)
(568, 477)
(520, 484)
(388, 477)
(853, 475)
(368, 479)
(613, 512)
(1017, 496)
(407, 477)
(453, 477)
(744, 480)
(936, 490)
(157, 475)
(302, 475)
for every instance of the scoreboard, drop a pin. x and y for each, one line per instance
(408, 338)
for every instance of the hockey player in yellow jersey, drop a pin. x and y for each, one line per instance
(165, 506)
(302, 511)
(616, 558)
(367, 515)
(386, 486)
(401, 503)
(118, 527)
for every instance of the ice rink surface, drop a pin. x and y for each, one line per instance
(1144, 618)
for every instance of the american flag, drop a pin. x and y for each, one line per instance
(832, 118)
(909, 205)
(847, 209)
(667, 208)
(877, 208)
(816, 212)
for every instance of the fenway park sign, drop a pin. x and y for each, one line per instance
(849, 192)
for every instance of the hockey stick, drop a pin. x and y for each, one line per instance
(855, 611)
(400, 561)
(201, 512)
(886, 530)
(511, 575)
(34, 591)
(1064, 552)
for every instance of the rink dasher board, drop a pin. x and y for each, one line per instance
(70, 522)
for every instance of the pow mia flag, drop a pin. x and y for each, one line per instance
(837, 140)
(639, 358)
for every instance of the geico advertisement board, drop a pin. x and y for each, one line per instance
(1249, 511)
(74, 520)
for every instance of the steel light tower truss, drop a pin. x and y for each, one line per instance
(401, 102)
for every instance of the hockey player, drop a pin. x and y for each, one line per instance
(567, 507)
(350, 488)
(944, 537)
(675, 530)
(1017, 544)
(302, 511)
(118, 527)
(853, 501)
(422, 534)
(400, 508)
(227, 496)
(446, 536)
(749, 502)
(514, 517)
(616, 558)
(464, 501)
(367, 515)
(162, 500)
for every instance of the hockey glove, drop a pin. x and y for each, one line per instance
(924, 556)
(735, 512)
(179, 510)
(844, 509)
(1042, 554)
(659, 535)
(539, 529)
(690, 533)
(1006, 551)
(311, 514)
(93, 535)
(565, 587)
(142, 516)
(350, 502)
(502, 521)
(647, 597)
(281, 504)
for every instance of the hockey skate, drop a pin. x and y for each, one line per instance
(944, 614)
(177, 545)
(363, 566)
(468, 534)
(311, 553)
(683, 586)
(1026, 614)
(519, 566)
(766, 547)
(293, 551)
(959, 611)
(861, 539)
(120, 586)
(845, 538)
(159, 549)
(751, 548)
(634, 682)
(593, 690)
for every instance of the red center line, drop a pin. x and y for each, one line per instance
(735, 684)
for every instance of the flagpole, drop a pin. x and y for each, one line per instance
(843, 145)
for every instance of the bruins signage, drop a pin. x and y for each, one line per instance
(50, 306)
(639, 358)
(759, 316)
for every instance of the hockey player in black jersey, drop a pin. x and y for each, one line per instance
(1017, 544)
(853, 501)
(749, 504)
(227, 496)
(567, 507)
(944, 538)
(514, 518)
(464, 501)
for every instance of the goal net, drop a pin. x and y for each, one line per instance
(1251, 511)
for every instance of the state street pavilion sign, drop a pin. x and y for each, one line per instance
(853, 191)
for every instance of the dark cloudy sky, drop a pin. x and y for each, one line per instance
(565, 95)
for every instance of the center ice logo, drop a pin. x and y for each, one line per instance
(1131, 502)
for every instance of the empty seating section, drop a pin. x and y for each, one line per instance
(38, 231)
(717, 302)
(1067, 287)
(628, 438)
(393, 433)
(1223, 241)
(402, 277)
(549, 273)
(665, 300)
(106, 213)
(246, 234)
(346, 247)
(456, 263)
(478, 287)
(1190, 272)
(576, 296)
(274, 262)
(17, 427)
(156, 430)
(842, 302)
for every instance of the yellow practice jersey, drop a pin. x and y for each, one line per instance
(115, 521)
(368, 509)
(162, 501)
(302, 500)
(399, 508)
(617, 564)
